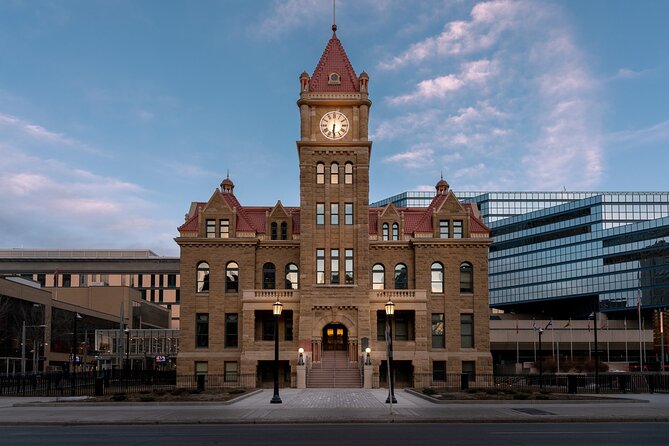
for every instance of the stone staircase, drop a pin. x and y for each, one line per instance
(334, 371)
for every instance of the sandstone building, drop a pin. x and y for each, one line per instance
(333, 262)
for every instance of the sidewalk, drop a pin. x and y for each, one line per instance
(333, 406)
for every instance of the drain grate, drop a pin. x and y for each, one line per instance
(532, 411)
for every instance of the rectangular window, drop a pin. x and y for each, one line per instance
(202, 330)
(348, 266)
(348, 213)
(380, 325)
(67, 280)
(230, 371)
(443, 228)
(334, 213)
(320, 213)
(348, 173)
(288, 325)
(401, 328)
(83, 280)
(268, 322)
(438, 370)
(153, 280)
(41, 279)
(438, 340)
(320, 266)
(201, 368)
(225, 228)
(467, 331)
(334, 266)
(469, 367)
(171, 281)
(210, 228)
(140, 280)
(457, 228)
(231, 333)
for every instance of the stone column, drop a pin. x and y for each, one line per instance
(301, 376)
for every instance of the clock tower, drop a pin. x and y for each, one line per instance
(334, 154)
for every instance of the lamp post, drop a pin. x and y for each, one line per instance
(77, 316)
(127, 354)
(368, 359)
(300, 357)
(594, 318)
(541, 353)
(390, 312)
(276, 310)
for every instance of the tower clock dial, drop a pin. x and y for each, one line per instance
(334, 125)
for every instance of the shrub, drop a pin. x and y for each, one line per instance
(429, 391)
(146, 398)
(159, 392)
(491, 391)
(236, 391)
(119, 397)
(521, 396)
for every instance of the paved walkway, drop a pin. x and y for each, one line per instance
(333, 406)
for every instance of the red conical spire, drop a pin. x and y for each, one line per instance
(334, 61)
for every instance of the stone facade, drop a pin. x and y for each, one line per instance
(236, 261)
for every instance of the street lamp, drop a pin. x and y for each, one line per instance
(368, 359)
(276, 310)
(594, 318)
(77, 317)
(127, 349)
(390, 312)
(300, 357)
(541, 364)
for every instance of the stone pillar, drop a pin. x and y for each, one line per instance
(368, 374)
(301, 376)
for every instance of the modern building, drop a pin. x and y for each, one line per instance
(60, 324)
(565, 255)
(155, 277)
(334, 262)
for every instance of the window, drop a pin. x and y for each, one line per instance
(378, 277)
(231, 330)
(334, 173)
(273, 231)
(284, 231)
(401, 277)
(348, 266)
(210, 228)
(320, 173)
(171, 281)
(348, 173)
(202, 277)
(225, 228)
(438, 370)
(396, 231)
(457, 228)
(443, 228)
(230, 369)
(380, 325)
(384, 231)
(268, 276)
(41, 279)
(334, 78)
(232, 277)
(292, 276)
(202, 330)
(467, 331)
(401, 326)
(437, 277)
(466, 278)
(348, 213)
(201, 368)
(334, 213)
(287, 317)
(268, 324)
(83, 280)
(334, 266)
(320, 213)
(438, 339)
(469, 367)
(320, 266)
(67, 280)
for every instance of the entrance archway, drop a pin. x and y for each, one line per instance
(335, 337)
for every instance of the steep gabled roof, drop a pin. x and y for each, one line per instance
(334, 60)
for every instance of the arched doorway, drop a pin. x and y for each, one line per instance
(335, 337)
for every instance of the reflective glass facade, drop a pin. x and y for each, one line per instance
(572, 249)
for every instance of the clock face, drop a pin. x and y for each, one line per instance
(334, 125)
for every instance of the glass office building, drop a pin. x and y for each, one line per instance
(565, 254)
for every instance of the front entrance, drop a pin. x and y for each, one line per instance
(335, 337)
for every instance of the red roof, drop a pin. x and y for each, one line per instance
(334, 60)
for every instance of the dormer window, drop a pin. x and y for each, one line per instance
(334, 78)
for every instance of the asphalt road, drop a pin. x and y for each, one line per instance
(471, 434)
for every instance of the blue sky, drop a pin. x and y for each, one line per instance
(114, 116)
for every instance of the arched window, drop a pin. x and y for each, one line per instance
(292, 276)
(437, 277)
(396, 231)
(348, 173)
(232, 277)
(268, 276)
(466, 278)
(378, 277)
(284, 231)
(273, 231)
(384, 231)
(320, 173)
(203, 277)
(401, 277)
(334, 173)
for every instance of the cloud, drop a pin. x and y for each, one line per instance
(285, 15)
(635, 137)
(625, 73)
(471, 73)
(416, 157)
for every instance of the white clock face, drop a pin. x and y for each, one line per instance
(334, 125)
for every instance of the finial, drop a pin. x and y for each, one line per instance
(227, 175)
(334, 16)
(442, 174)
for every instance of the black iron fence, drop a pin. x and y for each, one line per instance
(117, 381)
(646, 382)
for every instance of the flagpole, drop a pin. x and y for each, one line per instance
(517, 346)
(638, 309)
(626, 356)
(571, 341)
(608, 339)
